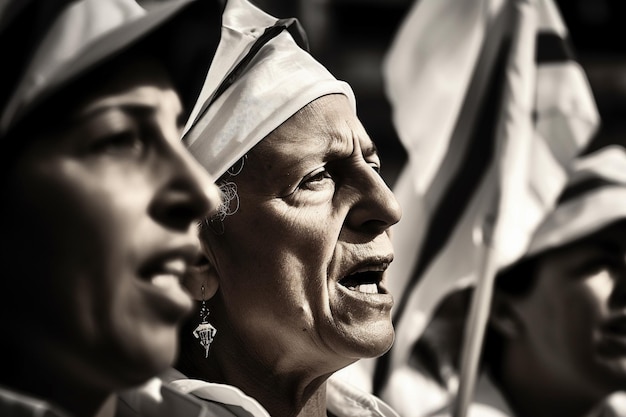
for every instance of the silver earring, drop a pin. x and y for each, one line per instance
(205, 331)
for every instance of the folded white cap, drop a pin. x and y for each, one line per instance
(80, 36)
(280, 80)
(594, 198)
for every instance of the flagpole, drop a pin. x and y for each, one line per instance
(512, 137)
(539, 129)
(477, 321)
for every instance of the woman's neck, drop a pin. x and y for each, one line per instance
(282, 394)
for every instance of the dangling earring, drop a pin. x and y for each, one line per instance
(205, 331)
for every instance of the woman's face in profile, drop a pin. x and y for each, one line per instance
(106, 207)
(574, 318)
(302, 262)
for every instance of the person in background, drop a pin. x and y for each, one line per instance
(292, 287)
(556, 341)
(101, 198)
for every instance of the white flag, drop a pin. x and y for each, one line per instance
(491, 106)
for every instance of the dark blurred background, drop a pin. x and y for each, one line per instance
(351, 37)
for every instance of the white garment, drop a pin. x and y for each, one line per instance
(345, 400)
(155, 399)
(229, 399)
(342, 399)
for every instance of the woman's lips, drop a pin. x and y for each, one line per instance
(162, 277)
(366, 278)
(171, 272)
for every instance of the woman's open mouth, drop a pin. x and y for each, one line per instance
(366, 279)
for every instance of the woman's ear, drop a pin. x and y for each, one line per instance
(201, 279)
(504, 316)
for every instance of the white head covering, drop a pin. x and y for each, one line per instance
(81, 35)
(594, 198)
(280, 80)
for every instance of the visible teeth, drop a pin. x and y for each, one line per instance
(175, 266)
(169, 274)
(164, 280)
(368, 288)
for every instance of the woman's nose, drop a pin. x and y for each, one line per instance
(376, 208)
(189, 193)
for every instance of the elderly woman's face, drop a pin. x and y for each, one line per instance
(574, 319)
(302, 263)
(104, 214)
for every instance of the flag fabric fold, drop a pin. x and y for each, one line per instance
(491, 106)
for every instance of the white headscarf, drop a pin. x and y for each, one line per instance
(84, 34)
(597, 198)
(280, 80)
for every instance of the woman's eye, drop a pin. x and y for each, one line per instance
(316, 179)
(375, 166)
(127, 142)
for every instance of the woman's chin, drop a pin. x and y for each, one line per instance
(371, 342)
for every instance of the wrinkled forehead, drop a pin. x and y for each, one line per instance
(326, 125)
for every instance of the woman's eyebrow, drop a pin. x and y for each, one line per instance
(370, 149)
(133, 108)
